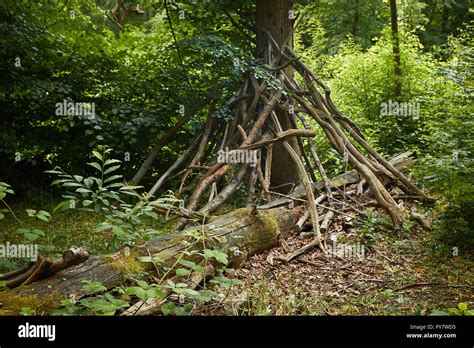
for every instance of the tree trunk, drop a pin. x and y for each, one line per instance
(396, 47)
(277, 18)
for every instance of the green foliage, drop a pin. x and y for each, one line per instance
(27, 311)
(42, 214)
(216, 254)
(362, 80)
(4, 190)
(72, 52)
(92, 287)
(144, 291)
(126, 221)
(29, 234)
(100, 192)
(461, 310)
(361, 20)
(94, 304)
(125, 218)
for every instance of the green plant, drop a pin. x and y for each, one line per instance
(124, 218)
(5, 189)
(3, 284)
(127, 221)
(29, 233)
(27, 311)
(99, 304)
(101, 192)
(42, 214)
(461, 310)
(144, 291)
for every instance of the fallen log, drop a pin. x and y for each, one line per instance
(249, 230)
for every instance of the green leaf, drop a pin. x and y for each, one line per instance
(86, 203)
(78, 178)
(95, 165)
(168, 308)
(225, 282)
(113, 177)
(111, 195)
(93, 287)
(62, 205)
(53, 172)
(71, 184)
(187, 263)
(142, 284)
(60, 181)
(42, 217)
(101, 306)
(114, 185)
(88, 182)
(189, 292)
(111, 169)
(116, 302)
(110, 161)
(137, 291)
(97, 155)
(31, 236)
(130, 188)
(37, 231)
(83, 190)
(22, 230)
(182, 272)
(154, 292)
(218, 255)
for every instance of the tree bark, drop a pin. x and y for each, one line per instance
(276, 18)
(396, 47)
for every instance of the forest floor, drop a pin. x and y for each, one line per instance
(399, 273)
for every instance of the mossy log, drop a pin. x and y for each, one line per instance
(250, 230)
